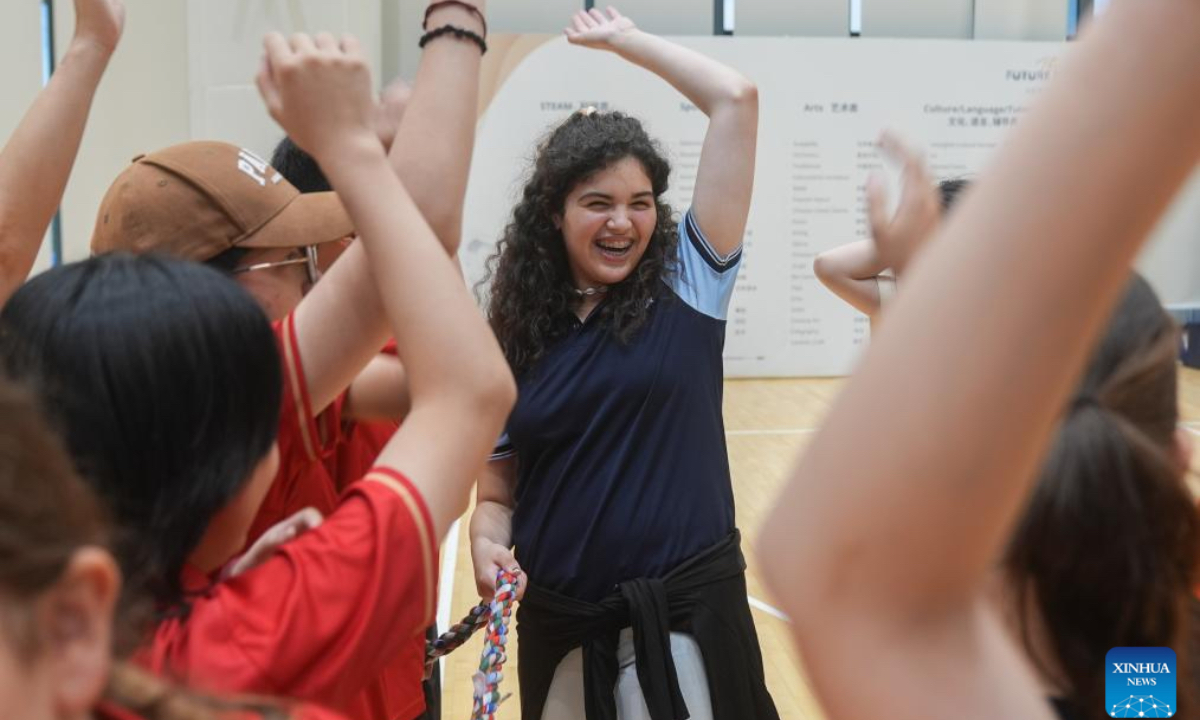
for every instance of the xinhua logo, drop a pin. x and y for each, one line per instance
(1140, 682)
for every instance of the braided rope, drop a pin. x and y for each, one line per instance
(491, 662)
(456, 636)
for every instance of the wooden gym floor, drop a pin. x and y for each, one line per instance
(767, 423)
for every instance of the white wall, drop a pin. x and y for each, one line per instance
(142, 105)
(1020, 19)
(185, 70)
(812, 18)
(225, 49)
(21, 58)
(1172, 260)
(919, 18)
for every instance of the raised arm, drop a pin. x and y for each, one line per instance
(851, 271)
(458, 380)
(432, 149)
(37, 159)
(896, 512)
(725, 177)
(340, 325)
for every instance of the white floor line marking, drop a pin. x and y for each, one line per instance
(446, 583)
(781, 431)
(759, 604)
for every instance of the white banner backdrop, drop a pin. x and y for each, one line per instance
(823, 103)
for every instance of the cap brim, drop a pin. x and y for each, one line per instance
(309, 219)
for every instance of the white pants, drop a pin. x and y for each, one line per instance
(565, 699)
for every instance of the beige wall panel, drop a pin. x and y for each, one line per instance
(142, 105)
(1020, 20)
(809, 18)
(531, 16)
(21, 58)
(669, 17)
(919, 18)
(225, 49)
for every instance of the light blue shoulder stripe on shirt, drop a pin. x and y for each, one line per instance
(704, 278)
(503, 449)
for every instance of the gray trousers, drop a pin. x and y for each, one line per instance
(565, 699)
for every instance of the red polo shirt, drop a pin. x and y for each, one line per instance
(358, 446)
(108, 711)
(305, 440)
(322, 620)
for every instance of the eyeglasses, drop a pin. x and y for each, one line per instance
(309, 259)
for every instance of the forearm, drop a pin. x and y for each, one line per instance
(434, 143)
(36, 162)
(856, 261)
(492, 522)
(709, 84)
(455, 356)
(1045, 278)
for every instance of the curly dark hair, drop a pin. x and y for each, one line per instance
(532, 296)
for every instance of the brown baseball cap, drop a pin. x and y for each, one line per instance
(198, 199)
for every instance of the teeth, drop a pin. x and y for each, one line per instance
(616, 247)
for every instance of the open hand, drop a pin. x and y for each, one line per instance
(319, 90)
(899, 237)
(99, 22)
(280, 534)
(592, 28)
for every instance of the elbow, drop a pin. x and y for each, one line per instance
(744, 93)
(821, 268)
(736, 102)
(494, 391)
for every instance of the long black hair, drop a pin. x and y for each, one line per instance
(532, 295)
(163, 378)
(1107, 549)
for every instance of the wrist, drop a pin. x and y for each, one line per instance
(349, 150)
(458, 15)
(626, 41)
(88, 49)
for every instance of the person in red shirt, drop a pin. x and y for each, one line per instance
(61, 630)
(166, 379)
(324, 446)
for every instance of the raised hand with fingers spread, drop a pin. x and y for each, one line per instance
(898, 236)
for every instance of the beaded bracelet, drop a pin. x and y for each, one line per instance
(446, 3)
(460, 33)
(487, 679)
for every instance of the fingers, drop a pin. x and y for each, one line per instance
(277, 49)
(305, 520)
(267, 88)
(877, 214)
(914, 173)
(597, 17)
(613, 14)
(325, 42)
(301, 43)
(351, 46)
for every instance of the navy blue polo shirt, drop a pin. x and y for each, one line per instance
(622, 470)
